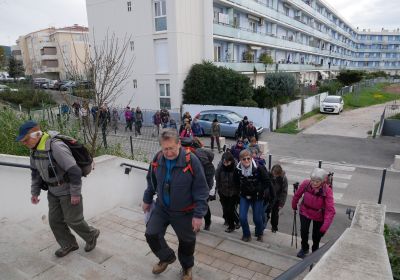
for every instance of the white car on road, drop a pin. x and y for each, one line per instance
(332, 104)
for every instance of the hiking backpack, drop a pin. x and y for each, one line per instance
(80, 153)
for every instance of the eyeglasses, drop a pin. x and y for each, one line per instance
(246, 159)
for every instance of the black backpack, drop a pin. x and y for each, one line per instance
(80, 153)
(205, 156)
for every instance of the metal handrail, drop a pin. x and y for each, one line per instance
(134, 166)
(298, 268)
(15, 164)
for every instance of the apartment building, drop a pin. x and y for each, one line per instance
(305, 37)
(52, 52)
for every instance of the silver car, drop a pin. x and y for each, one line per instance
(228, 121)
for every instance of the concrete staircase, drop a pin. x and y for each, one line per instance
(27, 252)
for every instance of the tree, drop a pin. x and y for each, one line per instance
(280, 85)
(209, 84)
(349, 77)
(2, 58)
(107, 66)
(266, 59)
(15, 68)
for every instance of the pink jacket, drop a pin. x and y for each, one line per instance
(317, 206)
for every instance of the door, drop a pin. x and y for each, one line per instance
(227, 129)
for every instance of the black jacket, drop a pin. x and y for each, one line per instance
(256, 186)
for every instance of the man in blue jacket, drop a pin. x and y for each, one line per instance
(178, 179)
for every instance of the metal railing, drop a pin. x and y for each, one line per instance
(11, 164)
(308, 261)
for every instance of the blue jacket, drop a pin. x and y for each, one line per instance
(187, 192)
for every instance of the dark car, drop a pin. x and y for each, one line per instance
(228, 120)
(68, 86)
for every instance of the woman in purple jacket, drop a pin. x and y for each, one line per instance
(317, 206)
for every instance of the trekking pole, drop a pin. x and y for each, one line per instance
(294, 226)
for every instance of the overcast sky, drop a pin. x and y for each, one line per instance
(20, 17)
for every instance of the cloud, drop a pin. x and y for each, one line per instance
(368, 14)
(25, 16)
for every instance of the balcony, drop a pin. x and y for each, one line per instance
(244, 67)
(281, 18)
(231, 33)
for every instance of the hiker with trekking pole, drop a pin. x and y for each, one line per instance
(317, 206)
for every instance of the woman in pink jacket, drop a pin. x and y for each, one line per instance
(317, 206)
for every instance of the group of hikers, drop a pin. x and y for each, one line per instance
(181, 181)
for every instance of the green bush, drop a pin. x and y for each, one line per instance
(209, 84)
(332, 87)
(247, 103)
(349, 77)
(280, 84)
(392, 238)
(266, 59)
(266, 99)
(376, 74)
(29, 98)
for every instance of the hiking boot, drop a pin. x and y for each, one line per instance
(237, 226)
(260, 238)
(162, 266)
(302, 253)
(63, 251)
(229, 230)
(246, 238)
(92, 244)
(274, 229)
(187, 274)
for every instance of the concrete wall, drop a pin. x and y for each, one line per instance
(258, 115)
(292, 111)
(360, 253)
(391, 128)
(106, 187)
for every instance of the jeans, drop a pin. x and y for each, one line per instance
(258, 212)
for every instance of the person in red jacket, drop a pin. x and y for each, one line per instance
(317, 206)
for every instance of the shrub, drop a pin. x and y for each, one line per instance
(280, 84)
(209, 84)
(266, 99)
(349, 77)
(332, 87)
(248, 103)
(266, 59)
(28, 97)
(392, 238)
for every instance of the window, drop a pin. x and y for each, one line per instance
(129, 4)
(160, 15)
(217, 53)
(135, 83)
(253, 26)
(223, 119)
(132, 45)
(207, 117)
(165, 97)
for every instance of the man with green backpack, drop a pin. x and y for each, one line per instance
(57, 165)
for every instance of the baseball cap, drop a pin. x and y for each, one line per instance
(24, 129)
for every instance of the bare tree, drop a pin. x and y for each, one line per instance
(107, 67)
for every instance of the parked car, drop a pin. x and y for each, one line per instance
(68, 86)
(49, 85)
(228, 120)
(4, 88)
(38, 82)
(332, 104)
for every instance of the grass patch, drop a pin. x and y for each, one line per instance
(392, 238)
(289, 128)
(310, 114)
(369, 96)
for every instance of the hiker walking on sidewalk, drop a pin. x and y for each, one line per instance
(178, 179)
(317, 206)
(280, 185)
(53, 168)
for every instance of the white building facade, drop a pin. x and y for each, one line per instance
(306, 37)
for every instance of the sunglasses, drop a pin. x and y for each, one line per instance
(246, 158)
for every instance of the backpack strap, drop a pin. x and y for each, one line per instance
(188, 161)
(153, 168)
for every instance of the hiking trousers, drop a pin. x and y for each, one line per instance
(63, 216)
(181, 222)
(316, 234)
(229, 208)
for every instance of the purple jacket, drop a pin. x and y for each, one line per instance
(316, 205)
(128, 115)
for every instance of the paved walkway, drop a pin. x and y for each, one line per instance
(27, 252)
(354, 123)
